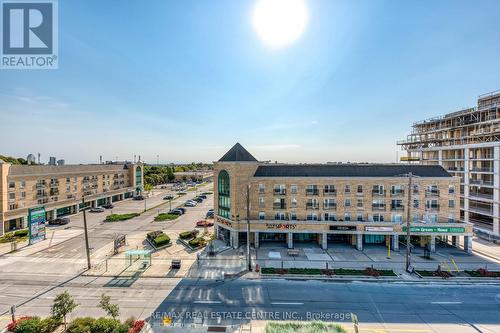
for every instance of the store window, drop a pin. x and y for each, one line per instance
(224, 200)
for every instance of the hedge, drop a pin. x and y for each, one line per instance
(34, 325)
(99, 325)
(196, 242)
(310, 327)
(121, 217)
(21, 233)
(153, 234)
(188, 234)
(166, 217)
(161, 240)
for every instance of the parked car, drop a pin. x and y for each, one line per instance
(211, 210)
(183, 210)
(199, 200)
(210, 215)
(168, 197)
(96, 210)
(139, 197)
(189, 204)
(203, 196)
(204, 223)
(59, 221)
(108, 206)
(176, 212)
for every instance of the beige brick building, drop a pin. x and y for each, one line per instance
(321, 203)
(59, 189)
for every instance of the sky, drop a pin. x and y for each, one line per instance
(187, 79)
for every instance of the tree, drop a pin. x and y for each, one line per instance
(62, 306)
(111, 309)
(148, 187)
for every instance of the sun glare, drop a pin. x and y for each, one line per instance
(279, 23)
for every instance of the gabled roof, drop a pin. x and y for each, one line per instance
(238, 154)
(349, 170)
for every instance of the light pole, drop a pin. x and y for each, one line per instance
(408, 224)
(248, 229)
(87, 249)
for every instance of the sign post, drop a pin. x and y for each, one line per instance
(36, 224)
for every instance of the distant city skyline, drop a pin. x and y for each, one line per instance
(187, 80)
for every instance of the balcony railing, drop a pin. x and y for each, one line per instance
(330, 206)
(312, 191)
(480, 182)
(40, 185)
(281, 191)
(397, 193)
(279, 206)
(432, 193)
(432, 207)
(312, 206)
(330, 192)
(397, 208)
(378, 193)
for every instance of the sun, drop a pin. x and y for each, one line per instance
(279, 23)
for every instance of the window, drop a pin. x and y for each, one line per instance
(432, 204)
(433, 218)
(329, 190)
(416, 203)
(378, 189)
(378, 218)
(262, 202)
(451, 203)
(262, 216)
(12, 184)
(397, 218)
(293, 189)
(378, 204)
(293, 216)
(68, 180)
(359, 203)
(347, 216)
(23, 195)
(312, 204)
(22, 184)
(279, 189)
(397, 190)
(330, 217)
(359, 217)
(293, 203)
(347, 202)
(12, 196)
(329, 204)
(262, 188)
(347, 189)
(279, 203)
(359, 189)
(312, 217)
(312, 190)
(416, 217)
(451, 218)
(451, 189)
(224, 196)
(397, 204)
(415, 189)
(279, 216)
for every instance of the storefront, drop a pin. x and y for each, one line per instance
(276, 237)
(223, 234)
(305, 237)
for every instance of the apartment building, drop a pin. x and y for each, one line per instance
(467, 144)
(60, 189)
(355, 204)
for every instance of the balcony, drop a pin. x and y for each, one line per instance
(330, 206)
(432, 193)
(378, 207)
(312, 206)
(480, 182)
(312, 191)
(397, 193)
(481, 169)
(54, 184)
(280, 191)
(279, 206)
(41, 195)
(40, 185)
(397, 208)
(330, 192)
(432, 207)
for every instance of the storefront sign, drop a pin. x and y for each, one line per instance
(379, 229)
(225, 222)
(343, 227)
(281, 226)
(36, 224)
(436, 229)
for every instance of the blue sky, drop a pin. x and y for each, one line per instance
(187, 79)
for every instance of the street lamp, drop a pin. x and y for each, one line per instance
(248, 229)
(408, 217)
(87, 249)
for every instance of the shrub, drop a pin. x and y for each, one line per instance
(21, 233)
(153, 234)
(137, 327)
(121, 217)
(12, 326)
(108, 325)
(161, 240)
(49, 324)
(197, 242)
(30, 325)
(189, 234)
(81, 325)
(166, 217)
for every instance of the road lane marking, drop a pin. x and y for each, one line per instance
(207, 302)
(287, 303)
(446, 302)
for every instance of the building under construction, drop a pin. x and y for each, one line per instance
(467, 144)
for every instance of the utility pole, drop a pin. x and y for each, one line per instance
(408, 216)
(87, 249)
(248, 229)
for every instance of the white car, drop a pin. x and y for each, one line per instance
(190, 204)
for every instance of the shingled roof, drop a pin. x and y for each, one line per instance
(238, 154)
(349, 170)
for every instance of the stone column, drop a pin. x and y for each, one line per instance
(290, 240)
(53, 214)
(256, 239)
(324, 241)
(234, 239)
(94, 203)
(24, 222)
(468, 244)
(77, 208)
(395, 242)
(432, 244)
(440, 157)
(454, 241)
(359, 242)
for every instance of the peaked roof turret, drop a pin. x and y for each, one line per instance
(237, 154)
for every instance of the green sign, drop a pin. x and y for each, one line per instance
(436, 229)
(36, 224)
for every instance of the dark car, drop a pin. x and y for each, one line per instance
(183, 210)
(59, 221)
(96, 210)
(139, 197)
(210, 214)
(108, 206)
(168, 197)
(176, 212)
(199, 200)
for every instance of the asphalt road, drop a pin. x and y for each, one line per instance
(416, 307)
